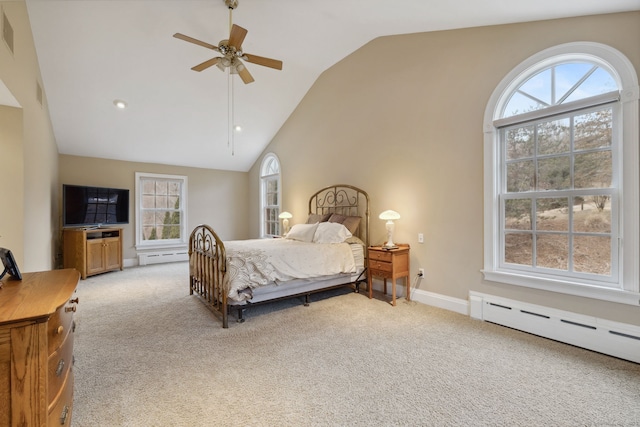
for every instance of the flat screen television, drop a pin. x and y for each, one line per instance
(84, 206)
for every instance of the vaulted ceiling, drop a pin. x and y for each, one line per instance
(93, 52)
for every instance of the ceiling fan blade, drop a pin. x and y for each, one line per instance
(206, 64)
(245, 75)
(267, 62)
(237, 36)
(195, 41)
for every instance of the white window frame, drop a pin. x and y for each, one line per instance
(628, 285)
(163, 244)
(264, 178)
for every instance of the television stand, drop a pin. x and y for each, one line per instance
(92, 251)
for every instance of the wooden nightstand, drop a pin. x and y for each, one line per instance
(389, 264)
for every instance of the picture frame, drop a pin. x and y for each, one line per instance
(10, 264)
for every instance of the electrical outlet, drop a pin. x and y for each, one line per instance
(421, 272)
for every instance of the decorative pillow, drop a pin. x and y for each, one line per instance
(331, 232)
(313, 218)
(351, 222)
(302, 232)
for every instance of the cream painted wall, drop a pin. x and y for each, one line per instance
(402, 118)
(12, 196)
(217, 198)
(20, 72)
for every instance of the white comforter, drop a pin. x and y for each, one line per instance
(258, 262)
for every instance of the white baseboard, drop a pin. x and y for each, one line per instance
(616, 339)
(430, 298)
(441, 301)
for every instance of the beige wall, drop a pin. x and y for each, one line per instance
(37, 155)
(217, 198)
(402, 118)
(11, 173)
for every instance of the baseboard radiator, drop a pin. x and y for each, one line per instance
(604, 336)
(147, 258)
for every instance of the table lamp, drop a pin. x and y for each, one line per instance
(389, 216)
(285, 216)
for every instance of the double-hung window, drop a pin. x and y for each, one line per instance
(270, 198)
(160, 210)
(560, 210)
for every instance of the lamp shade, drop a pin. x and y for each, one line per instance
(285, 215)
(389, 215)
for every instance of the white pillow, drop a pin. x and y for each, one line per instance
(331, 232)
(302, 232)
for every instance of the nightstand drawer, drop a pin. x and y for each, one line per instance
(378, 266)
(380, 256)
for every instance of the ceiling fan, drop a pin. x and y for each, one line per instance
(231, 51)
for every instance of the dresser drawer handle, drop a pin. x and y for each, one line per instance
(63, 415)
(60, 368)
(68, 309)
(75, 301)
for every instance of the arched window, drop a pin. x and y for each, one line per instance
(270, 195)
(561, 174)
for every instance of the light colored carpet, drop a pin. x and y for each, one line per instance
(149, 354)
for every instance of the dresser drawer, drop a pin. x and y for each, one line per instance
(59, 325)
(380, 256)
(60, 362)
(60, 413)
(380, 267)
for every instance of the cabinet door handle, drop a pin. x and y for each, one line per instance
(75, 300)
(68, 309)
(60, 368)
(64, 414)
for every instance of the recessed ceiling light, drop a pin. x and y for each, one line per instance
(120, 104)
(237, 128)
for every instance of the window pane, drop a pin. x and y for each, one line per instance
(593, 170)
(593, 130)
(592, 214)
(148, 202)
(519, 142)
(554, 173)
(517, 214)
(148, 233)
(520, 176)
(161, 201)
(518, 249)
(554, 137)
(148, 186)
(539, 87)
(568, 75)
(552, 214)
(592, 254)
(597, 83)
(552, 251)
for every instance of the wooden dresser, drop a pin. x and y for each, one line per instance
(36, 348)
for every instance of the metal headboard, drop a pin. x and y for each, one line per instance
(345, 200)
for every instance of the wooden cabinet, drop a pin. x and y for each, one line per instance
(93, 251)
(389, 264)
(36, 348)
